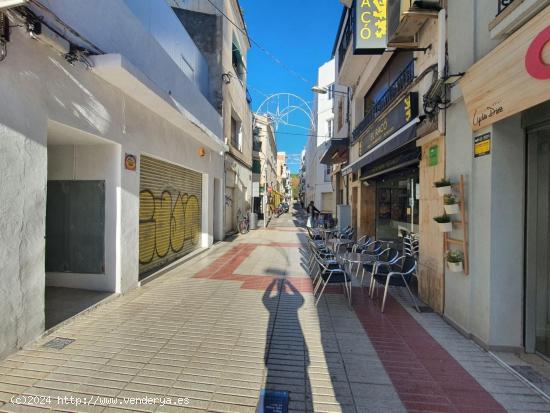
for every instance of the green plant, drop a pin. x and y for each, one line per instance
(454, 256)
(449, 200)
(442, 219)
(441, 183)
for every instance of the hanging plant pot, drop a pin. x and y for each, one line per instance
(444, 190)
(445, 226)
(456, 266)
(452, 209)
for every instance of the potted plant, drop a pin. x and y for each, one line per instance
(451, 204)
(455, 261)
(445, 224)
(443, 187)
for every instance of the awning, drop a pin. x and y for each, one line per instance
(403, 136)
(407, 156)
(336, 152)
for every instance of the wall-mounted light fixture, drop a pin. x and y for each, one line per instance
(202, 152)
(226, 77)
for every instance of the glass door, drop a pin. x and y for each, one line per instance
(397, 205)
(538, 243)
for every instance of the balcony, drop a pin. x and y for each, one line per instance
(406, 18)
(401, 84)
(512, 14)
(349, 66)
(257, 146)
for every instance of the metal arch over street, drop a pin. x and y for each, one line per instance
(279, 106)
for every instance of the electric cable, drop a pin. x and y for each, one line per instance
(263, 49)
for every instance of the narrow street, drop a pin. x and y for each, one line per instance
(219, 328)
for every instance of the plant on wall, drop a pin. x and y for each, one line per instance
(444, 222)
(443, 186)
(455, 260)
(451, 204)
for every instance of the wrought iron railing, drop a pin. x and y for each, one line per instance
(401, 83)
(502, 4)
(345, 42)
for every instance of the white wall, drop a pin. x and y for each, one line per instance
(91, 162)
(39, 88)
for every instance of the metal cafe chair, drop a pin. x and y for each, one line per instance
(398, 274)
(330, 275)
(385, 257)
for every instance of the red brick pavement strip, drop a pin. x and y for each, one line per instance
(426, 377)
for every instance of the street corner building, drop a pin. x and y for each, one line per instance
(113, 125)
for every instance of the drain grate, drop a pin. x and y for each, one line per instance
(58, 343)
(533, 376)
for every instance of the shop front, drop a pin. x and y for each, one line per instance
(510, 115)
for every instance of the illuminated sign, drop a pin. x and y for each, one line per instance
(370, 26)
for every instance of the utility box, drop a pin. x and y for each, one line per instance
(253, 220)
(343, 215)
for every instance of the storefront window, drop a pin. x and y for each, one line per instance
(397, 205)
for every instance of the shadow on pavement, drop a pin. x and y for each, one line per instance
(286, 354)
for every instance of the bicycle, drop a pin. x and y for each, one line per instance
(244, 224)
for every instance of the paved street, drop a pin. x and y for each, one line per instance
(221, 327)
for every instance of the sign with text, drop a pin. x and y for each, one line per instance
(370, 31)
(513, 77)
(391, 122)
(482, 145)
(273, 401)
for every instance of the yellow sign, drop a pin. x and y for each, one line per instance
(482, 145)
(371, 26)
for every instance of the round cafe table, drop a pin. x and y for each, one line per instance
(328, 232)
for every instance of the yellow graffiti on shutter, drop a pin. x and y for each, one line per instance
(169, 214)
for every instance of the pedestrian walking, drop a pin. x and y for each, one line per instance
(312, 212)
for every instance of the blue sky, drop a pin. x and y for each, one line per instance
(300, 33)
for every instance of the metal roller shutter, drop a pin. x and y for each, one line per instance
(169, 213)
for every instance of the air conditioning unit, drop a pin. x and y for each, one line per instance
(8, 4)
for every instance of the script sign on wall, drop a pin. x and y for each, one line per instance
(513, 77)
(386, 125)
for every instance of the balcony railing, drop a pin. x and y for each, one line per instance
(345, 42)
(502, 4)
(401, 83)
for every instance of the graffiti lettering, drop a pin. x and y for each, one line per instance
(165, 225)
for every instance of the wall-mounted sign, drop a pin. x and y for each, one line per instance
(433, 155)
(130, 162)
(482, 145)
(370, 30)
(513, 77)
(386, 125)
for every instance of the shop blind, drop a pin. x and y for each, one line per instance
(169, 213)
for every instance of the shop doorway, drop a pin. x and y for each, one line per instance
(397, 205)
(538, 243)
(81, 222)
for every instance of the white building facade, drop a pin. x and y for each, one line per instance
(318, 186)
(112, 164)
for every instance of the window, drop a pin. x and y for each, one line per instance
(236, 134)
(330, 92)
(330, 128)
(328, 171)
(256, 166)
(340, 114)
(237, 59)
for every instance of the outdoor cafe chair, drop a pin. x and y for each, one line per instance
(330, 275)
(398, 274)
(387, 256)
